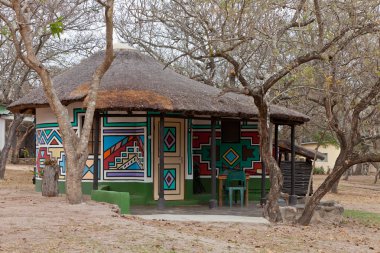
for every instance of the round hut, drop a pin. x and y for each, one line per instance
(140, 100)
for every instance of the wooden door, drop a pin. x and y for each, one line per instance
(174, 159)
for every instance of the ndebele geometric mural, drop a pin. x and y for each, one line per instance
(244, 155)
(49, 146)
(123, 155)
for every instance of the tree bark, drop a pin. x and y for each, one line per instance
(8, 142)
(324, 188)
(50, 181)
(19, 141)
(377, 167)
(75, 165)
(334, 188)
(271, 209)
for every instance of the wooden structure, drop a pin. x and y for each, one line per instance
(302, 169)
(154, 130)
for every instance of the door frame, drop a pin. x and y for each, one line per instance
(177, 160)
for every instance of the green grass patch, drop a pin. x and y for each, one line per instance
(363, 217)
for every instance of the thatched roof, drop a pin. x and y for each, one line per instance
(137, 82)
(308, 153)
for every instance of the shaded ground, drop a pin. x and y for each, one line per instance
(31, 223)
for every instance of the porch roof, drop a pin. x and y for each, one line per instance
(308, 153)
(137, 82)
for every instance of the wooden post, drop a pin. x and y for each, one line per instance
(50, 180)
(213, 201)
(96, 150)
(276, 143)
(263, 179)
(161, 194)
(293, 197)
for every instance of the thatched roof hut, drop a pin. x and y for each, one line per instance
(137, 82)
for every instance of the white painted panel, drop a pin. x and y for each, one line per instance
(46, 115)
(2, 133)
(125, 119)
(201, 122)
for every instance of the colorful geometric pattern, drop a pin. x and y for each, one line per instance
(230, 156)
(170, 139)
(244, 155)
(62, 163)
(170, 179)
(49, 146)
(49, 137)
(88, 172)
(202, 151)
(42, 156)
(123, 155)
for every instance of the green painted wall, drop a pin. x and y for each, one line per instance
(142, 193)
(119, 198)
(254, 187)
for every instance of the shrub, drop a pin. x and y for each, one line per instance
(318, 171)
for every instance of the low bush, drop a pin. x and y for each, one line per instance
(318, 171)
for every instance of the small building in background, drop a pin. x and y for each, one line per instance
(4, 121)
(27, 147)
(329, 151)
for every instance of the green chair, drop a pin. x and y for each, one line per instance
(236, 182)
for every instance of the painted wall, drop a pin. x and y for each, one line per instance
(126, 151)
(49, 141)
(244, 155)
(2, 133)
(329, 150)
(124, 145)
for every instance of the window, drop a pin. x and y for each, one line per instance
(325, 156)
(231, 131)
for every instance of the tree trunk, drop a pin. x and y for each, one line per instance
(348, 173)
(358, 169)
(377, 167)
(271, 209)
(377, 176)
(324, 188)
(334, 188)
(19, 141)
(74, 170)
(50, 181)
(8, 142)
(15, 154)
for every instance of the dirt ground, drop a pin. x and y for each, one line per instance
(32, 223)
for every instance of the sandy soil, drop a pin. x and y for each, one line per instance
(358, 193)
(32, 223)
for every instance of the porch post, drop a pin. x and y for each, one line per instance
(276, 143)
(213, 201)
(293, 197)
(263, 193)
(96, 150)
(161, 197)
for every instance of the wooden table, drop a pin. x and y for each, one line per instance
(223, 177)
